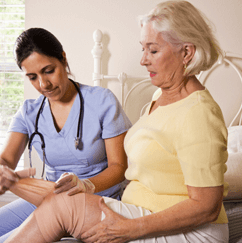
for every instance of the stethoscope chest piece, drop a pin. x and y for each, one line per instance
(78, 143)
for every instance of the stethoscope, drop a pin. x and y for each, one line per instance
(36, 132)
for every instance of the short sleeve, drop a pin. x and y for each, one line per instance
(112, 117)
(202, 147)
(18, 123)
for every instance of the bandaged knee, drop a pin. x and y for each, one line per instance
(60, 213)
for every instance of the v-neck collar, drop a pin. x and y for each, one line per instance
(177, 103)
(70, 121)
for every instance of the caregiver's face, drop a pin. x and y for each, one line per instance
(47, 74)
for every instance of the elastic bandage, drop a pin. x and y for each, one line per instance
(60, 213)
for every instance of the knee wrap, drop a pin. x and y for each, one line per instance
(60, 213)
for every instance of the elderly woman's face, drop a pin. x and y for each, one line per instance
(164, 64)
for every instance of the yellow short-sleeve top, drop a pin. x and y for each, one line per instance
(184, 143)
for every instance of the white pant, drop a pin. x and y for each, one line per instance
(209, 233)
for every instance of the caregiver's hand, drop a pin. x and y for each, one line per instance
(72, 184)
(7, 178)
(114, 228)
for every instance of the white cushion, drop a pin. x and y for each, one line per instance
(235, 139)
(233, 174)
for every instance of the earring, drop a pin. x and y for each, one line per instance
(185, 66)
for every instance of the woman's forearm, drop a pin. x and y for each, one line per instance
(13, 149)
(117, 164)
(3, 162)
(111, 176)
(179, 218)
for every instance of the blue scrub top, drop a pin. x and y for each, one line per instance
(103, 118)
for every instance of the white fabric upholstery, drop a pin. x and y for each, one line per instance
(234, 173)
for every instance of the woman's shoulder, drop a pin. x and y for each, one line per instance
(96, 92)
(202, 106)
(204, 99)
(29, 108)
(32, 104)
(93, 89)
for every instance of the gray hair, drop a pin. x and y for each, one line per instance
(180, 22)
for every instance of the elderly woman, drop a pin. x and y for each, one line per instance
(177, 151)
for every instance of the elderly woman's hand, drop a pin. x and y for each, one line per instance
(72, 184)
(114, 228)
(7, 178)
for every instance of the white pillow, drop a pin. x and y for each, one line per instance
(233, 174)
(235, 139)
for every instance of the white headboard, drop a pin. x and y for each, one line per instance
(124, 78)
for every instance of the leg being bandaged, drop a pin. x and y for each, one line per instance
(57, 213)
(32, 190)
(60, 213)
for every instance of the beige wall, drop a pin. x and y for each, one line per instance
(73, 22)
